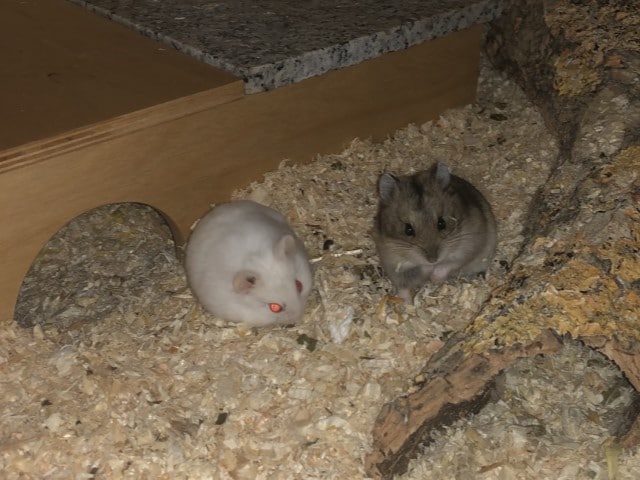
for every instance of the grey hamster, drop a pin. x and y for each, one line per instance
(245, 264)
(431, 226)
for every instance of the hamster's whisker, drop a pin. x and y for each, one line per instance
(465, 235)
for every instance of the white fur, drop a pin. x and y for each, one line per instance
(242, 236)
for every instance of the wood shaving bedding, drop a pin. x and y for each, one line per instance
(121, 374)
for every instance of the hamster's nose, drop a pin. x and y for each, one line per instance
(431, 254)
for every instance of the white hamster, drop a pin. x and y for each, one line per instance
(245, 264)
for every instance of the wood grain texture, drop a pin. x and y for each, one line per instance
(63, 68)
(183, 155)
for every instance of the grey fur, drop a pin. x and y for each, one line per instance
(412, 248)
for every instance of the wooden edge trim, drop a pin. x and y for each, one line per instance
(40, 150)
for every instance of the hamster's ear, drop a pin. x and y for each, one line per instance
(244, 281)
(387, 187)
(285, 246)
(441, 173)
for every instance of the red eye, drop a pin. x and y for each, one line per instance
(298, 286)
(275, 307)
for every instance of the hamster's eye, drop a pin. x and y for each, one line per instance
(276, 307)
(441, 223)
(298, 285)
(408, 230)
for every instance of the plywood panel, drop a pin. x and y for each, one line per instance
(63, 67)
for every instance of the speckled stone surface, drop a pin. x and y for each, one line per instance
(278, 42)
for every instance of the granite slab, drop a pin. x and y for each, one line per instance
(273, 43)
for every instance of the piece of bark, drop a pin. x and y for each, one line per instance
(458, 385)
(521, 43)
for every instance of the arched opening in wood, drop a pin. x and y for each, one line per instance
(101, 258)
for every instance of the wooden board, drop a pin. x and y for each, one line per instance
(63, 67)
(183, 155)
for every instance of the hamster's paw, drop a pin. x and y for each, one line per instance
(440, 274)
(406, 295)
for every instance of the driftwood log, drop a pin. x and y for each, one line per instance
(578, 274)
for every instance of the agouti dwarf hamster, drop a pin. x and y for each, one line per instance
(431, 226)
